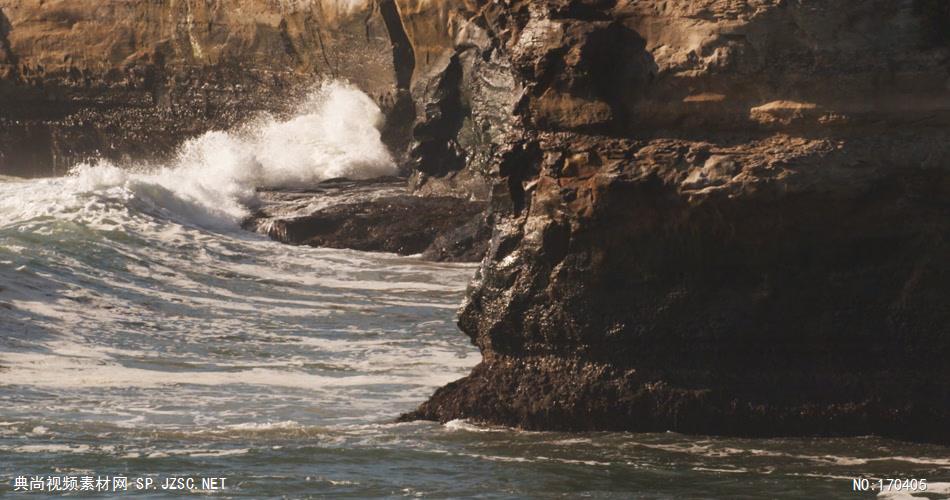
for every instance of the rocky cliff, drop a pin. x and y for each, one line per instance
(710, 216)
(132, 79)
(718, 216)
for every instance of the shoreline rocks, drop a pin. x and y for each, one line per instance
(634, 300)
(714, 216)
(375, 216)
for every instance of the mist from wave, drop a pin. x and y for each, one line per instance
(212, 179)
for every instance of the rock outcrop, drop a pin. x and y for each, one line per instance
(124, 79)
(718, 216)
(378, 215)
(709, 216)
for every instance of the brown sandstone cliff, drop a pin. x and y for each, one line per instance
(719, 216)
(119, 79)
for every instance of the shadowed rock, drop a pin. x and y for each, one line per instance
(375, 216)
(743, 231)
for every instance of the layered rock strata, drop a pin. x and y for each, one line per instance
(124, 80)
(724, 217)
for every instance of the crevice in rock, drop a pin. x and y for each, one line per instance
(437, 151)
(404, 56)
(401, 110)
(7, 57)
(323, 50)
(288, 41)
(5, 29)
(518, 166)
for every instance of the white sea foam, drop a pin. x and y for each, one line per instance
(39, 431)
(263, 426)
(52, 448)
(465, 425)
(707, 449)
(216, 453)
(211, 181)
(61, 372)
(141, 316)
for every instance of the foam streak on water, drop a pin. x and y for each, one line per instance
(142, 333)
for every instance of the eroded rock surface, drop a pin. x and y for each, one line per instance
(723, 216)
(375, 216)
(122, 79)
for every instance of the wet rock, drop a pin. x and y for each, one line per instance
(465, 243)
(375, 216)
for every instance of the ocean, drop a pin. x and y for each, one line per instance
(145, 337)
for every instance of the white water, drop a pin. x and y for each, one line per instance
(134, 287)
(212, 179)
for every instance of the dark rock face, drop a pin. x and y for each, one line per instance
(801, 313)
(744, 233)
(465, 115)
(375, 216)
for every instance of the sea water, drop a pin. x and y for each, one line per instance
(144, 336)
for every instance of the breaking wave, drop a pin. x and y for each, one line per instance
(212, 179)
